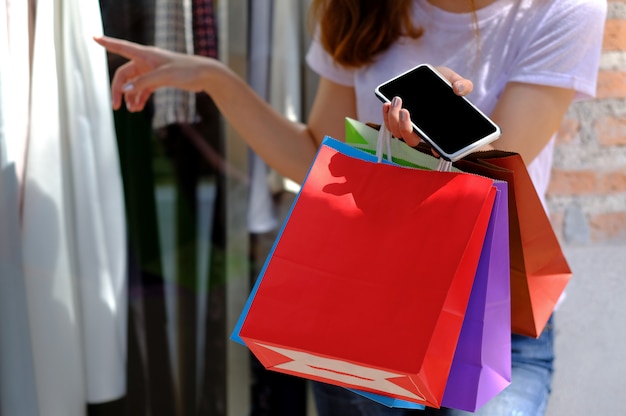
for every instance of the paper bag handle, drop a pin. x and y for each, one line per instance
(384, 140)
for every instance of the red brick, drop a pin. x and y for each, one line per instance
(570, 182)
(612, 182)
(586, 182)
(608, 227)
(611, 131)
(614, 35)
(611, 84)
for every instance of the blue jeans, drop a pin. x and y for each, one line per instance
(527, 395)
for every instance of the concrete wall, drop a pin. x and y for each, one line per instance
(591, 335)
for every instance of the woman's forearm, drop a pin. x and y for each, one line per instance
(288, 147)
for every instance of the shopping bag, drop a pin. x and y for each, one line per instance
(482, 362)
(364, 288)
(365, 137)
(481, 367)
(539, 268)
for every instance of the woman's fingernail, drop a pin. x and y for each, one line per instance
(128, 87)
(460, 87)
(402, 115)
(395, 102)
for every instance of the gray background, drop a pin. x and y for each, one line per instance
(591, 337)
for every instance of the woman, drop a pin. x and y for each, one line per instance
(527, 61)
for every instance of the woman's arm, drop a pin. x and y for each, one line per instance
(287, 146)
(529, 115)
(333, 103)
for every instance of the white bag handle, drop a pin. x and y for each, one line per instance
(384, 140)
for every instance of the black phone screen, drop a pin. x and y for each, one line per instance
(446, 118)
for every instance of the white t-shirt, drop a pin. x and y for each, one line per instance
(547, 42)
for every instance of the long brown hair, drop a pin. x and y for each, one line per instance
(355, 31)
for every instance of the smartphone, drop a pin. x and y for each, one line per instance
(452, 125)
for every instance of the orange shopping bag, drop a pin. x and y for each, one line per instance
(539, 269)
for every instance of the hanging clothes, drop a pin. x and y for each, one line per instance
(99, 224)
(261, 211)
(18, 391)
(173, 31)
(14, 23)
(286, 77)
(274, 73)
(150, 381)
(204, 28)
(73, 222)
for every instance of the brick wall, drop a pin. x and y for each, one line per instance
(587, 195)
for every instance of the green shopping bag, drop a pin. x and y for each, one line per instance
(365, 137)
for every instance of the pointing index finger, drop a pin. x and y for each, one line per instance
(120, 47)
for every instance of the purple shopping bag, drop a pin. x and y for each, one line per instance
(482, 361)
(481, 367)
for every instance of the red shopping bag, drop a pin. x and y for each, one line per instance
(368, 281)
(481, 367)
(539, 268)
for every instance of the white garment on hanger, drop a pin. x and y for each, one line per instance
(99, 215)
(261, 211)
(285, 93)
(18, 391)
(74, 231)
(48, 267)
(287, 59)
(16, 69)
(275, 73)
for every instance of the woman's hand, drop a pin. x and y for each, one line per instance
(398, 120)
(150, 68)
